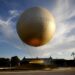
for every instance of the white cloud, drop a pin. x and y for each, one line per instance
(6, 26)
(13, 12)
(64, 10)
(61, 42)
(8, 30)
(45, 54)
(60, 53)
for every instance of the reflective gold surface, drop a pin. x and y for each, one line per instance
(37, 62)
(36, 26)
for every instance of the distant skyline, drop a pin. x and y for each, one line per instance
(63, 42)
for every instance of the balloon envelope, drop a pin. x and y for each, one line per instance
(36, 26)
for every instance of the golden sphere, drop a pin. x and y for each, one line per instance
(36, 26)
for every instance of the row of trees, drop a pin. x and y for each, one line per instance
(14, 61)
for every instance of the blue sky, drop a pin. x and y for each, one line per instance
(63, 42)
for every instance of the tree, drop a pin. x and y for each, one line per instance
(15, 61)
(73, 54)
(24, 61)
(4, 62)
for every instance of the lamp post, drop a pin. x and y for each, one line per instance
(10, 63)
